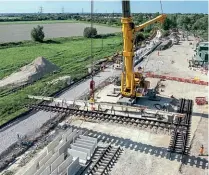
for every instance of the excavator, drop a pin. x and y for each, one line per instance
(132, 83)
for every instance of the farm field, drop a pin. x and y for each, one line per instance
(21, 32)
(70, 54)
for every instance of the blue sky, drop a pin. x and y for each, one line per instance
(103, 6)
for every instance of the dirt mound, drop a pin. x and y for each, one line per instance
(29, 73)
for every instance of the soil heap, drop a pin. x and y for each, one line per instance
(29, 73)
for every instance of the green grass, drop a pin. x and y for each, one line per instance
(70, 54)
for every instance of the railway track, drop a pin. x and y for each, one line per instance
(103, 160)
(144, 121)
(180, 137)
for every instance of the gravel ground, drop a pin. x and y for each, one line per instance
(200, 138)
(162, 64)
(34, 121)
(138, 163)
(20, 32)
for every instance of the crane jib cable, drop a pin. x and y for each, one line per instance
(92, 59)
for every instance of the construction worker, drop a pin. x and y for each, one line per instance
(201, 150)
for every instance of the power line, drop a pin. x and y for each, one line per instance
(41, 9)
(63, 10)
(161, 6)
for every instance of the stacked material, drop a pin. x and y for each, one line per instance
(63, 155)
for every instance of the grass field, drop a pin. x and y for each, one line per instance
(20, 32)
(70, 54)
(40, 22)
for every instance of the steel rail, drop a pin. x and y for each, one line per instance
(108, 156)
(145, 120)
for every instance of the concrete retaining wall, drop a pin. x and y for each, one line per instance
(73, 167)
(62, 167)
(53, 144)
(55, 172)
(40, 170)
(57, 162)
(46, 171)
(52, 159)
(64, 147)
(31, 170)
(45, 159)
(72, 135)
(67, 133)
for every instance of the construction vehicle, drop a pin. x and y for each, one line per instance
(200, 59)
(132, 83)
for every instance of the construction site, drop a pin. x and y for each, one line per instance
(142, 111)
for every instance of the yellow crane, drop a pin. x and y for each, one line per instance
(131, 81)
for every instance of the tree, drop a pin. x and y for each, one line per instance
(37, 34)
(167, 24)
(90, 32)
(139, 37)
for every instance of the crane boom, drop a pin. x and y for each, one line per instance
(159, 18)
(130, 80)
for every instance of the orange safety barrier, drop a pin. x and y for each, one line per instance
(192, 81)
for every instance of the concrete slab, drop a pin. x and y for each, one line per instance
(55, 172)
(64, 147)
(57, 162)
(81, 149)
(82, 156)
(54, 143)
(85, 140)
(88, 138)
(63, 166)
(65, 135)
(40, 170)
(73, 168)
(45, 159)
(46, 171)
(52, 159)
(31, 170)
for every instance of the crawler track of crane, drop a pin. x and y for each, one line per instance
(144, 121)
(103, 160)
(180, 137)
